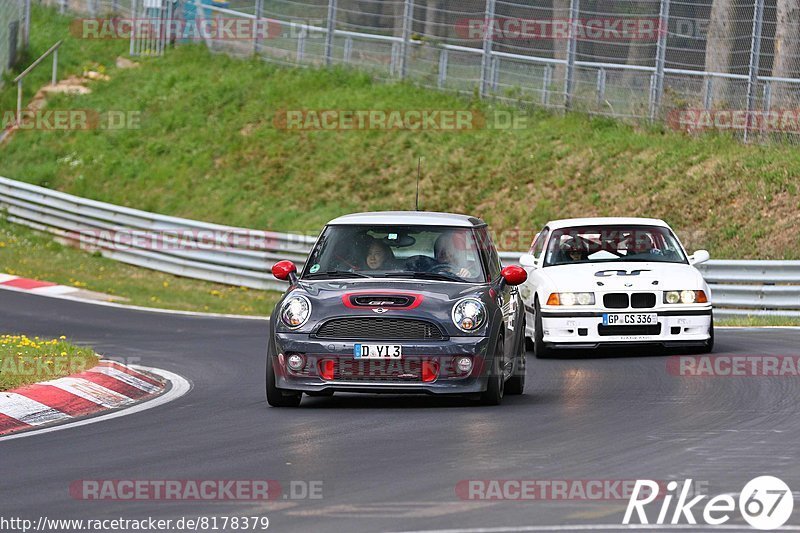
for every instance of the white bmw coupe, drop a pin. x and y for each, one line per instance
(604, 281)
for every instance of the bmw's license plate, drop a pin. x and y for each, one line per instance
(377, 351)
(630, 319)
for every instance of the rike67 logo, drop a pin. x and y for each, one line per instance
(765, 502)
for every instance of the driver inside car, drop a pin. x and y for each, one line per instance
(450, 252)
(379, 255)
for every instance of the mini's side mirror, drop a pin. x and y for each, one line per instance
(700, 256)
(527, 260)
(514, 275)
(285, 270)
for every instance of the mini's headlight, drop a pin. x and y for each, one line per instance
(295, 311)
(571, 298)
(469, 314)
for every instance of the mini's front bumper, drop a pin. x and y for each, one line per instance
(380, 376)
(676, 327)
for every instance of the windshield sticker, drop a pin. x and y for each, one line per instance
(314, 269)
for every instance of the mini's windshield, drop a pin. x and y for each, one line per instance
(608, 244)
(425, 252)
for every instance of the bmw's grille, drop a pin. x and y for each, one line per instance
(379, 328)
(643, 300)
(616, 300)
(607, 331)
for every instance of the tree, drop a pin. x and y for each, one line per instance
(787, 47)
(719, 45)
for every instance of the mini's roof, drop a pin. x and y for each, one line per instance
(407, 218)
(605, 221)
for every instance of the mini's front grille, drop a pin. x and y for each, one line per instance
(378, 328)
(643, 300)
(608, 331)
(378, 300)
(405, 370)
(616, 300)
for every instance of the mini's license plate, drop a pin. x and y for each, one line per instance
(377, 351)
(630, 319)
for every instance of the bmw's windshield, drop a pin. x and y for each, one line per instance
(424, 252)
(609, 244)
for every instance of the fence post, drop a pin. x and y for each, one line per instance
(661, 54)
(348, 49)
(26, 36)
(755, 58)
(19, 102)
(62, 6)
(601, 86)
(572, 47)
(331, 27)
(259, 15)
(301, 45)
(54, 79)
(707, 92)
(408, 14)
(488, 24)
(442, 67)
(115, 7)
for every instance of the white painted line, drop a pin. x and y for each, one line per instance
(29, 411)
(7, 277)
(599, 527)
(133, 381)
(180, 386)
(90, 391)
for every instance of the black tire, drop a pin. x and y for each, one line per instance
(493, 395)
(539, 349)
(279, 397)
(516, 383)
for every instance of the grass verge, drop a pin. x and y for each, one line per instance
(25, 360)
(30, 254)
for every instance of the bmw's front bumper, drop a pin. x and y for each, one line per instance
(676, 327)
(369, 376)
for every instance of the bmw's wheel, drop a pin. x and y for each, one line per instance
(539, 349)
(516, 384)
(279, 397)
(493, 394)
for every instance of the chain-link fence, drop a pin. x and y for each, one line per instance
(13, 31)
(693, 64)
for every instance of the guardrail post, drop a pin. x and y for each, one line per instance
(547, 79)
(661, 54)
(442, 67)
(301, 45)
(572, 48)
(257, 38)
(488, 25)
(348, 49)
(408, 14)
(755, 58)
(331, 29)
(601, 86)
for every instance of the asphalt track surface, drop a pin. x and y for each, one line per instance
(391, 463)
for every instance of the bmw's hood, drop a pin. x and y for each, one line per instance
(624, 276)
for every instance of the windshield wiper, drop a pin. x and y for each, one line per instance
(441, 276)
(339, 273)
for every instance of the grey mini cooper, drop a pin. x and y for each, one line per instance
(398, 302)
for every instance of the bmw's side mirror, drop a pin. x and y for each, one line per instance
(527, 260)
(514, 275)
(700, 256)
(285, 270)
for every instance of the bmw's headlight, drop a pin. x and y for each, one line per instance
(295, 311)
(685, 297)
(571, 298)
(469, 314)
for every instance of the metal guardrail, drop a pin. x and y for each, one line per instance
(243, 257)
